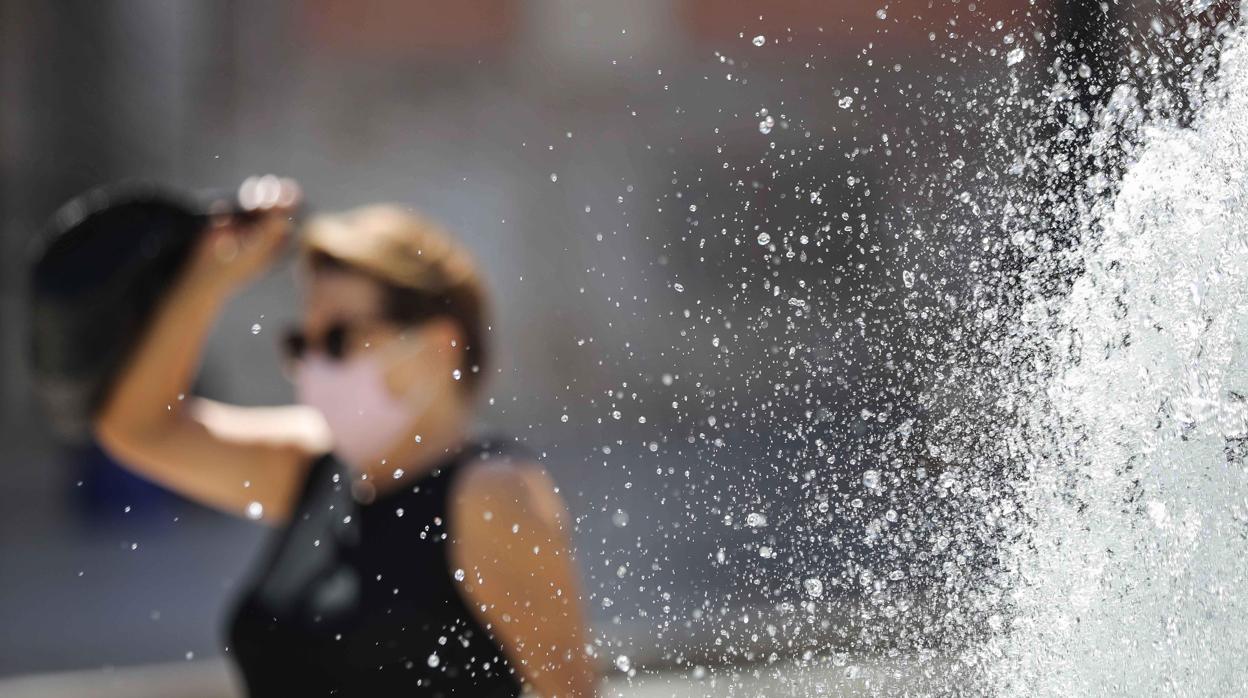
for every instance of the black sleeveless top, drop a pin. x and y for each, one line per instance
(359, 600)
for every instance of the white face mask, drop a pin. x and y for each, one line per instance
(366, 421)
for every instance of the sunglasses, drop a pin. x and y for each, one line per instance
(334, 342)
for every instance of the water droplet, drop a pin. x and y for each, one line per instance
(881, 13)
(434, 660)
(1157, 512)
(620, 518)
(763, 238)
(755, 520)
(255, 329)
(255, 511)
(845, 102)
(871, 479)
(680, 288)
(459, 575)
(759, 40)
(813, 587)
(765, 126)
(554, 177)
(623, 663)
(1015, 56)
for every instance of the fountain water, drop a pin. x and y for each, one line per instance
(1127, 572)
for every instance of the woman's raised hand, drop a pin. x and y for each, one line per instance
(236, 459)
(237, 248)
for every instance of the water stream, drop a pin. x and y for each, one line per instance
(1128, 572)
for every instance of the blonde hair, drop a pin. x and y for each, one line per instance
(424, 272)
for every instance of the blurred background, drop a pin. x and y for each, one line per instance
(700, 219)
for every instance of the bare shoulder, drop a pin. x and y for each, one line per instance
(493, 493)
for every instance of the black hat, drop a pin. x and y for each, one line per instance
(106, 260)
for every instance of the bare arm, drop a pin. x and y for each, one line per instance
(227, 457)
(509, 537)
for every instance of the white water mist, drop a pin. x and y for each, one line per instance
(1132, 578)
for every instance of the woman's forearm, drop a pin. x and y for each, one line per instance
(152, 386)
(150, 424)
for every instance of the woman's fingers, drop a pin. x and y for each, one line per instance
(259, 193)
(290, 195)
(239, 246)
(224, 243)
(274, 200)
(262, 238)
(267, 192)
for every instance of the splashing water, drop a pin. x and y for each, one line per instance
(1001, 422)
(1131, 577)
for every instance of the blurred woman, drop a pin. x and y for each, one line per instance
(410, 559)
